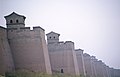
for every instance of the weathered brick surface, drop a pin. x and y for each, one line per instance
(6, 61)
(62, 55)
(28, 47)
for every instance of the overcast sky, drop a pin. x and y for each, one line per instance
(94, 25)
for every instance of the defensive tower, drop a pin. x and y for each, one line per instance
(62, 55)
(29, 49)
(15, 20)
(52, 37)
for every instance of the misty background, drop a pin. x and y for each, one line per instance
(93, 25)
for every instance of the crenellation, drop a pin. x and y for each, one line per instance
(69, 45)
(24, 32)
(12, 28)
(69, 42)
(86, 55)
(38, 28)
(26, 28)
(79, 51)
(61, 42)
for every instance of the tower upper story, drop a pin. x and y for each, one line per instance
(52, 37)
(15, 20)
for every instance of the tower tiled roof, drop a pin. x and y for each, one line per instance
(53, 33)
(13, 13)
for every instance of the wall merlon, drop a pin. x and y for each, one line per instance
(11, 29)
(38, 28)
(93, 58)
(100, 62)
(79, 50)
(86, 55)
(61, 42)
(21, 29)
(24, 27)
(68, 42)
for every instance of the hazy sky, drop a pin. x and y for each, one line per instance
(94, 25)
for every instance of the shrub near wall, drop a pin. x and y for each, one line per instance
(1, 76)
(25, 73)
(20, 73)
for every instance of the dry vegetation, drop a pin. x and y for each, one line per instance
(33, 74)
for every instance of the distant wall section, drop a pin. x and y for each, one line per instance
(63, 58)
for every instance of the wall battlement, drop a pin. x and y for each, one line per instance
(36, 28)
(86, 55)
(67, 45)
(79, 52)
(66, 42)
(25, 32)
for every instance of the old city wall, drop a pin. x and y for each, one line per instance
(45, 52)
(6, 61)
(80, 60)
(88, 64)
(93, 65)
(29, 49)
(25, 49)
(62, 58)
(101, 69)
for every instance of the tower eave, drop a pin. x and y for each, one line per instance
(15, 14)
(53, 32)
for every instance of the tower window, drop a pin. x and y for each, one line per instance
(54, 37)
(50, 37)
(17, 21)
(11, 21)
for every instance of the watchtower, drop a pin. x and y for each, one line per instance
(28, 47)
(52, 37)
(62, 55)
(15, 20)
